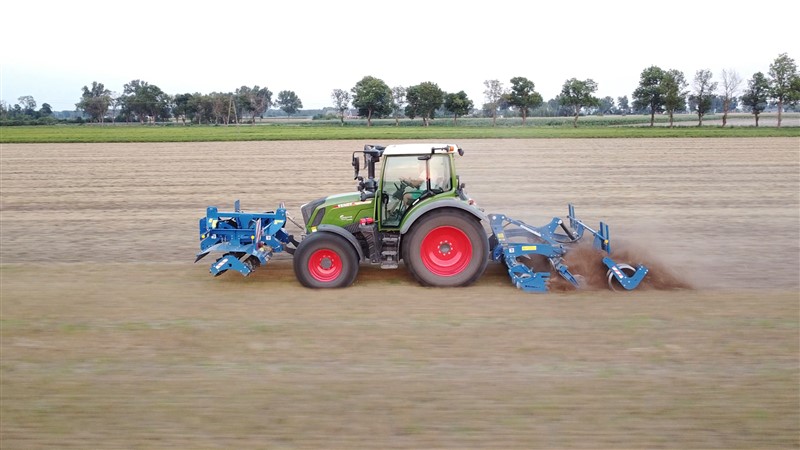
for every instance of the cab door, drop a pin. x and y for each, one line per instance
(405, 179)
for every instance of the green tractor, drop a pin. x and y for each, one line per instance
(416, 211)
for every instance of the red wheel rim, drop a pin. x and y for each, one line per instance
(325, 265)
(446, 251)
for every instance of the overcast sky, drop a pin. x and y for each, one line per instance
(51, 49)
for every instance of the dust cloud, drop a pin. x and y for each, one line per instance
(586, 262)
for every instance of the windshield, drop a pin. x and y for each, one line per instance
(407, 178)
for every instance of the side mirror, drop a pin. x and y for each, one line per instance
(356, 166)
(460, 151)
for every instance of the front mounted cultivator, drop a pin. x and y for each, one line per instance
(246, 240)
(417, 212)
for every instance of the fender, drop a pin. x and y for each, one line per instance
(444, 203)
(345, 234)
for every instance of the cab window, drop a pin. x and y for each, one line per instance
(406, 178)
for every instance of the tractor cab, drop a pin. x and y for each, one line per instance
(411, 175)
(409, 178)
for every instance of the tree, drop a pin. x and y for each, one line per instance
(649, 95)
(673, 91)
(458, 104)
(494, 93)
(219, 106)
(45, 110)
(253, 101)
(577, 94)
(718, 103)
(622, 105)
(289, 102)
(200, 104)
(423, 101)
(730, 86)
(184, 107)
(115, 101)
(703, 92)
(606, 105)
(261, 100)
(146, 101)
(95, 101)
(783, 82)
(372, 97)
(796, 90)
(523, 96)
(211, 107)
(756, 95)
(341, 101)
(398, 100)
(28, 105)
(243, 104)
(558, 108)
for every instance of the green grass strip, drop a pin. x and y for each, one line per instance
(381, 130)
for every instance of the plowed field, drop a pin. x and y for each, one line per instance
(113, 338)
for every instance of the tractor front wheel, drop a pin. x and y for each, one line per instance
(325, 260)
(446, 248)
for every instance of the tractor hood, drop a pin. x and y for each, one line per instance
(339, 209)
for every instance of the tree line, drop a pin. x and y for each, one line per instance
(659, 91)
(662, 90)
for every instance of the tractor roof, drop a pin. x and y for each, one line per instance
(419, 149)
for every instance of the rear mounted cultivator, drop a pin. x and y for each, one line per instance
(416, 212)
(547, 242)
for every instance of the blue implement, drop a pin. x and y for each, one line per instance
(553, 241)
(246, 240)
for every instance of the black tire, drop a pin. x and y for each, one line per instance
(446, 248)
(325, 260)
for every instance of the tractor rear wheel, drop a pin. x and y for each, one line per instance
(325, 260)
(446, 248)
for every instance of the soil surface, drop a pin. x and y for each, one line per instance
(113, 338)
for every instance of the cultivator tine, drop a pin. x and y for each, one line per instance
(567, 275)
(528, 280)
